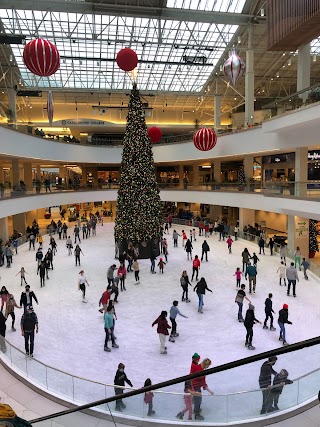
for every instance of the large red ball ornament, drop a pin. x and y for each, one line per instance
(127, 59)
(205, 139)
(41, 57)
(155, 134)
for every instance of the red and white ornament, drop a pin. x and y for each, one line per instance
(155, 134)
(127, 59)
(234, 67)
(205, 139)
(41, 57)
(50, 107)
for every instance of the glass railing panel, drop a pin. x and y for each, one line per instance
(60, 383)
(87, 391)
(37, 372)
(308, 386)
(18, 359)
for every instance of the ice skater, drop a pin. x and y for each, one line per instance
(198, 384)
(4, 294)
(29, 323)
(77, 252)
(238, 273)
(174, 311)
(282, 273)
(122, 274)
(201, 288)
(161, 265)
(245, 258)
(109, 328)
(184, 282)
(188, 393)
(251, 273)
(148, 396)
(22, 273)
(249, 321)
(195, 267)
(162, 330)
(10, 306)
(26, 298)
(305, 265)
(266, 371)
(184, 238)
(136, 270)
(188, 248)
(282, 320)
(268, 310)
(69, 245)
(297, 258)
(292, 277)
(255, 260)
(279, 381)
(41, 271)
(283, 252)
(205, 249)
(240, 296)
(175, 236)
(82, 281)
(229, 243)
(119, 380)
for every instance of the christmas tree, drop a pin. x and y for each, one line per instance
(241, 178)
(313, 242)
(138, 218)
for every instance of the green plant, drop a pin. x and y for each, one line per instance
(313, 241)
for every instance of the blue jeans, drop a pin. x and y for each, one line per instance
(153, 264)
(282, 331)
(200, 296)
(240, 304)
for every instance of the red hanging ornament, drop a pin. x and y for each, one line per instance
(155, 134)
(127, 59)
(205, 139)
(41, 57)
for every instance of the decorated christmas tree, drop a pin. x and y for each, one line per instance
(313, 242)
(138, 218)
(241, 178)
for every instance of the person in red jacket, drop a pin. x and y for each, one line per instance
(104, 301)
(162, 330)
(198, 384)
(229, 243)
(195, 267)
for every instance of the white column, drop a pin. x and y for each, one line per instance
(301, 171)
(19, 222)
(303, 72)
(248, 166)
(298, 235)
(181, 175)
(246, 216)
(215, 212)
(249, 82)
(39, 172)
(195, 174)
(4, 230)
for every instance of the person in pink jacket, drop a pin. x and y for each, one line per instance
(229, 243)
(122, 273)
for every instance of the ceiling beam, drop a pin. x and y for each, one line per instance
(133, 11)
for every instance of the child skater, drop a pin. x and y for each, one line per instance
(161, 265)
(148, 398)
(229, 243)
(184, 238)
(187, 400)
(194, 234)
(238, 273)
(22, 273)
(136, 270)
(255, 260)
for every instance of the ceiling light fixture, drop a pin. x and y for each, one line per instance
(314, 58)
(239, 39)
(262, 11)
(289, 62)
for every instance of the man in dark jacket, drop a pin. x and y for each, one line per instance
(201, 288)
(27, 297)
(265, 381)
(205, 250)
(249, 321)
(268, 310)
(283, 318)
(251, 272)
(3, 328)
(119, 380)
(42, 272)
(261, 245)
(29, 323)
(279, 381)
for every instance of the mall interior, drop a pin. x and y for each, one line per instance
(267, 126)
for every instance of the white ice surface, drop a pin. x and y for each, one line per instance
(71, 334)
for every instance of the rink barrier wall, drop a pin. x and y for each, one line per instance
(281, 133)
(296, 398)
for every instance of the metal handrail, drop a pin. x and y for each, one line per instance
(221, 368)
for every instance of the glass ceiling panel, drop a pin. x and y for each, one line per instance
(88, 45)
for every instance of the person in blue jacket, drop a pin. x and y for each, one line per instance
(251, 272)
(108, 327)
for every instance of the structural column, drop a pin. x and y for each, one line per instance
(195, 175)
(27, 176)
(301, 171)
(215, 212)
(1, 175)
(39, 172)
(249, 82)
(15, 173)
(12, 107)
(303, 72)
(246, 216)
(217, 170)
(298, 235)
(181, 175)
(19, 222)
(83, 175)
(4, 230)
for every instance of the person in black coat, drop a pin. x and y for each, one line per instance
(265, 381)
(282, 320)
(269, 310)
(271, 245)
(261, 245)
(119, 380)
(249, 321)
(3, 328)
(188, 248)
(27, 297)
(42, 269)
(279, 381)
(205, 250)
(201, 288)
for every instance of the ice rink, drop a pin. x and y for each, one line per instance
(71, 334)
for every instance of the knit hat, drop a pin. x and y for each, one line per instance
(251, 307)
(285, 306)
(196, 356)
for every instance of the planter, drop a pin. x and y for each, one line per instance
(47, 215)
(312, 254)
(242, 188)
